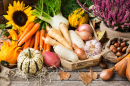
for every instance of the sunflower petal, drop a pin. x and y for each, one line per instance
(27, 10)
(7, 17)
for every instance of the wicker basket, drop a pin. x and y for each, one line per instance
(81, 63)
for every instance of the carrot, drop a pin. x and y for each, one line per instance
(64, 30)
(9, 36)
(48, 47)
(42, 33)
(29, 34)
(32, 41)
(27, 43)
(37, 40)
(44, 46)
(19, 35)
(58, 36)
(27, 29)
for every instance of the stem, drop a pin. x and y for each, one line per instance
(29, 53)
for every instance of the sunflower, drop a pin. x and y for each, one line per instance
(19, 16)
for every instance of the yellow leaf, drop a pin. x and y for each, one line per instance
(100, 35)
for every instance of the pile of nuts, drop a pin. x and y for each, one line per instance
(118, 47)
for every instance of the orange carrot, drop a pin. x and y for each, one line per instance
(19, 35)
(44, 46)
(27, 43)
(29, 34)
(47, 47)
(37, 40)
(32, 41)
(9, 36)
(27, 29)
(42, 33)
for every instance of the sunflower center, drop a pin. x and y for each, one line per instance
(20, 18)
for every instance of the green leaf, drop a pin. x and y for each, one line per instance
(2, 26)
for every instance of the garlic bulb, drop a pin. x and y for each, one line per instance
(93, 47)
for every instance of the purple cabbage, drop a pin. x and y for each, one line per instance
(116, 13)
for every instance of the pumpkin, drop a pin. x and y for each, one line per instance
(30, 61)
(9, 52)
(78, 17)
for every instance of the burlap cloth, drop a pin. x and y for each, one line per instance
(4, 76)
(110, 56)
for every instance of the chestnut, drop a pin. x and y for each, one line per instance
(113, 42)
(111, 47)
(116, 45)
(119, 48)
(119, 54)
(124, 48)
(123, 44)
(103, 65)
(114, 50)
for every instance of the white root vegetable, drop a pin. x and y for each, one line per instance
(58, 36)
(76, 39)
(64, 30)
(65, 53)
(51, 41)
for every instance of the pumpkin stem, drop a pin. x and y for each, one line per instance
(29, 52)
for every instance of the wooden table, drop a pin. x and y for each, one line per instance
(74, 80)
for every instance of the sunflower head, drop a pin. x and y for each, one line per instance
(19, 16)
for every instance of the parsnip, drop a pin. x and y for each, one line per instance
(65, 53)
(64, 30)
(56, 35)
(76, 39)
(51, 41)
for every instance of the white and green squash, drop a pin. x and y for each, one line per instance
(30, 61)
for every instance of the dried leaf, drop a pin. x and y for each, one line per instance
(64, 75)
(85, 78)
(88, 77)
(100, 35)
(92, 74)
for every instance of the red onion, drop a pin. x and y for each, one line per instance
(51, 59)
(85, 27)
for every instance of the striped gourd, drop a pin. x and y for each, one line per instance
(78, 17)
(30, 61)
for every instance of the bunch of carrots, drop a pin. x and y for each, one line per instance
(32, 38)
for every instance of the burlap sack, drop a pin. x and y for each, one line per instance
(110, 56)
(4, 78)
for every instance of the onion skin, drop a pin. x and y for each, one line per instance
(85, 27)
(84, 35)
(107, 73)
(51, 59)
(80, 52)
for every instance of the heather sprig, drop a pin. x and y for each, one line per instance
(115, 13)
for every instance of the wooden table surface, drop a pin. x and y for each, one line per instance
(53, 79)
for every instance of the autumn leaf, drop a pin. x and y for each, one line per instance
(88, 77)
(100, 35)
(85, 78)
(64, 75)
(92, 74)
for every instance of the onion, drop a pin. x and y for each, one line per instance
(84, 35)
(80, 52)
(107, 73)
(51, 59)
(85, 27)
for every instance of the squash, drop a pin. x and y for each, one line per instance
(30, 61)
(78, 17)
(9, 52)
